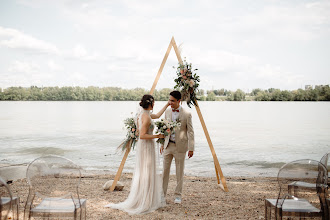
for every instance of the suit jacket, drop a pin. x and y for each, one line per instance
(184, 135)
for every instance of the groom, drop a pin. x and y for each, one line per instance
(181, 141)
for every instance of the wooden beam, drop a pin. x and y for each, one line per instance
(216, 173)
(215, 159)
(177, 52)
(161, 68)
(121, 167)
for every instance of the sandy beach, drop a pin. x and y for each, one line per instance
(202, 197)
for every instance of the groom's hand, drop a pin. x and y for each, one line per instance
(161, 149)
(190, 154)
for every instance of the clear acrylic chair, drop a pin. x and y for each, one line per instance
(54, 189)
(304, 203)
(296, 185)
(8, 203)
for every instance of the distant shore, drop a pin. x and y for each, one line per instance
(202, 197)
(92, 93)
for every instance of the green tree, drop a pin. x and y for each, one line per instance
(312, 95)
(286, 95)
(327, 93)
(210, 96)
(255, 92)
(202, 98)
(324, 93)
(221, 92)
(161, 95)
(51, 93)
(275, 95)
(239, 95)
(229, 95)
(35, 94)
(299, 95)
(12, 94)
(262, 96)
(271, 90)
(78, 93)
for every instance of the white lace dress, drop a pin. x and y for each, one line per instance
(146, 194)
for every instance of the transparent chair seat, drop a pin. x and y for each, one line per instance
(292, 205)
(56, 205)
(303, 184)
(6, 200)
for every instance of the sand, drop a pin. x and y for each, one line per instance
(202, 197)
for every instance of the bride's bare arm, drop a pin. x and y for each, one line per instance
(146, 121)
(155, 116)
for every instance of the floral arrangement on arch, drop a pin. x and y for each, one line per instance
(132, 134)
(187, 81)
(166, 127)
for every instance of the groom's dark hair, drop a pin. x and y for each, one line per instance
(176, 94)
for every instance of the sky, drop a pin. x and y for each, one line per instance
(234, 44)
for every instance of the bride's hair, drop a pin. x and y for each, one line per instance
(146, 101)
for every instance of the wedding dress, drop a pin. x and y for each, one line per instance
(146, 194)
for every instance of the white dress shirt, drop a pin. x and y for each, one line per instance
(175, 116)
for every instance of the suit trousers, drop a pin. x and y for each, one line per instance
(170, 152)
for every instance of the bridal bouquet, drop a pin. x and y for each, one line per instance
(132, 134)
(166, 127)
(187, 82)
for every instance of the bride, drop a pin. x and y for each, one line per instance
(146, 194)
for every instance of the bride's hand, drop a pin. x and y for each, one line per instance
(161, 136)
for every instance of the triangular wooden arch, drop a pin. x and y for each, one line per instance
(218, 170)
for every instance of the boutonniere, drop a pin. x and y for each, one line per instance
(178, 122)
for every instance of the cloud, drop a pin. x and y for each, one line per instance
(23, 67)
(233, 43)
(223, 61)
(15, 39)
(300, 22)
(81, 53)
(54, 66)
(277, 77)
(24, 73)
(77, 79)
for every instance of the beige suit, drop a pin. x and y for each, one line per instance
(184, 141)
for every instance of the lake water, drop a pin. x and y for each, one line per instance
(250, 138)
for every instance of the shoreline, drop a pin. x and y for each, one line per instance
(202, 197)
(13, 172)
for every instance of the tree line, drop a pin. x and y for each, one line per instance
(92, 93)
(319, 93)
